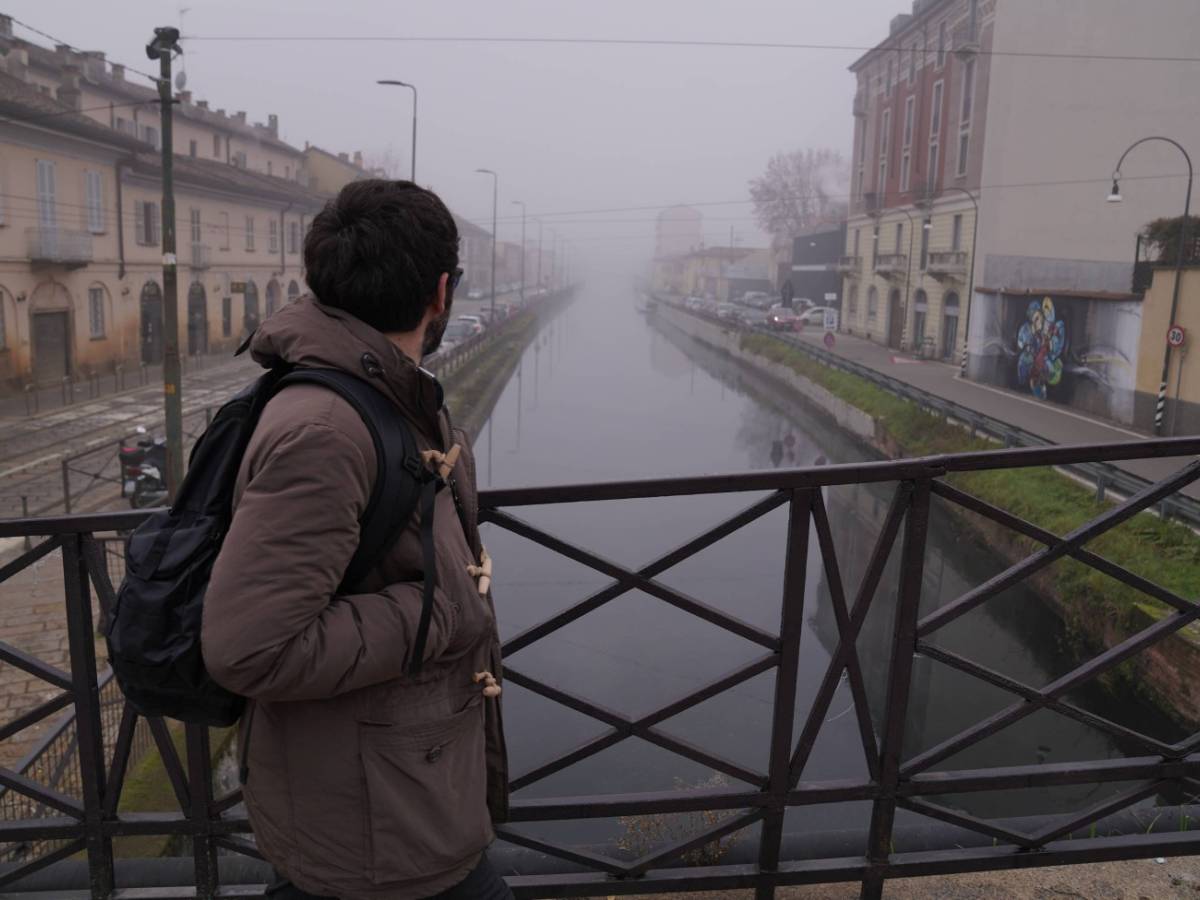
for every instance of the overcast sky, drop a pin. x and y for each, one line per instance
(569, 128)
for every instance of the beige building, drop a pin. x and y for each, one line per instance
(80, 221)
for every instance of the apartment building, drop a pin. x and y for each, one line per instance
(80, 220)
(919, 133)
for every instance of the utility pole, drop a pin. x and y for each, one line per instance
(413, 88)
(539, 274)
(166, 42)
(521, 204)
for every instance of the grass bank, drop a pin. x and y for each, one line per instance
(1096, 608)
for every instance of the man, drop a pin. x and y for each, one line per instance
(363, 781)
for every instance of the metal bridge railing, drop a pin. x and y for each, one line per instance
(85, 822)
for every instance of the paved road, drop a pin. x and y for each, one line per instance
(32, 448)
(1057, 424)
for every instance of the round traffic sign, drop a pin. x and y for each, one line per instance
(1176, 336)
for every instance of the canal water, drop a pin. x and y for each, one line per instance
(606, 393)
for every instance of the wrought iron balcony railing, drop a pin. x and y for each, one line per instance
(891, 263)
(947, 263)
(849, 265)
(58, 246)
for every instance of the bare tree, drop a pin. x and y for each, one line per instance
(799, 191)
(388, 162)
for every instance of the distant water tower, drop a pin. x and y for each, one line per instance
(679, 230)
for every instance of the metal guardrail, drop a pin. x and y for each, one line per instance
(86, 824)
(1106, 478)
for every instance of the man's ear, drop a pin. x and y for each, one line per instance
(438, 306)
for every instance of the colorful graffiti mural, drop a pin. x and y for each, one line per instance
(1041, 341)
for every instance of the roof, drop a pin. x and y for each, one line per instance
(222, 176)
(25, 103)
(924, 9)
(1058, 292)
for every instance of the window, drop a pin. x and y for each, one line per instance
(872, 302)
(912, 63)
(883, 152)
(956, 234)
(224, 228)
(862, 156)
(3, 326)
(273, 236)
(973, 22)
(147, 223)
(910, 106)
(192, 149)
(94, 183)
(875, 247)
(294, 238)
(852, 300)
(216, 146)
(249, 232)
(891, 74)
(899, 237)
(150, 136)
(194, 216)
(905, 166)
(47, 206)
(239, 159)
(226, 316)
(964, 124)
(268, 167)
(933, 163)
(857, 235)
(935, 114)
(96, 311)
(925, 229)
(941, 47)
(287, 172)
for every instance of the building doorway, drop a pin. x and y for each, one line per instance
(949, 326)
(920, 311)
(294, 292)
(51, 346)
(152, 323)
(197, 320)
(895, 320)
(250, 317)
(272, 296)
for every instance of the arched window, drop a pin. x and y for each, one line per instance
(99, 310)
(250, 317)
(152, 323)
(872, 302)
(293, 292)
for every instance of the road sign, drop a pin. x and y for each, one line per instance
(830, 340)
(237, 287)
(1176, 336)
(831, 320)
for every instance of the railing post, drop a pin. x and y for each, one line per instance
(204, 850)
(904, 642)
(66, 386)
(81, 637)
(66, 484)
(25, 515)
(783, 710)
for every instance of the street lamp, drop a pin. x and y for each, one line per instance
(1115, 197)
(539, 271)
(495, 198)
(521, 203)
(413, 88)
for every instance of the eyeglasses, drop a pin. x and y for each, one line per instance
(455, 279)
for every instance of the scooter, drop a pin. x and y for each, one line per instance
(143, 468)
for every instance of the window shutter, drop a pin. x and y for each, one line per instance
(155, 225)
(139, 223)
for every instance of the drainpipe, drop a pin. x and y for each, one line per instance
(120, 164)
(283, 238)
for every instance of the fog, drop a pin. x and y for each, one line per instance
(569, 128)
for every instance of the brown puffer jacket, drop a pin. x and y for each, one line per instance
(364, 782)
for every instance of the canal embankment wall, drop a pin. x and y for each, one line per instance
(1096, 614)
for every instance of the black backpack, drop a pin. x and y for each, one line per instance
(154, 628)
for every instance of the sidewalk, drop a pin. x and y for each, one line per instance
(1056, 424)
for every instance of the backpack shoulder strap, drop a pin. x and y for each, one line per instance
(400, 474)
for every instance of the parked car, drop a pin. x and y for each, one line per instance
(728, 312)
(754, 318)
(781, 318)
(475, 322)
(475, 294)
(815, 316)
(456, 333)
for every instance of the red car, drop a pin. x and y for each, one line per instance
(780, 318)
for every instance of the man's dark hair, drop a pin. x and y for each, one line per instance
(377, 251)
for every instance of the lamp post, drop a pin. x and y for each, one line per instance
(413, 88)
(1115, 197)
(495, 197)
(539, 271)
(521, 203)
(962, 366)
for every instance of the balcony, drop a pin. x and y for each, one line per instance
(58, 247)
(891, 264)
(948, 264)
(201, 256)
(849, 265)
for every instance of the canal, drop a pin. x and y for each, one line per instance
(605, 393)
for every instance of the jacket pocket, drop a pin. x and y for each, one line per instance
(426, 795)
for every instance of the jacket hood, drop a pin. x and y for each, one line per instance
(310, 334)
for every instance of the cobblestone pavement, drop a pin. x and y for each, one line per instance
(32, 449)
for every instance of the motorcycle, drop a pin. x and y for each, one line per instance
(143, 471)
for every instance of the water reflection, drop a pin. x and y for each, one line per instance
(632, 399)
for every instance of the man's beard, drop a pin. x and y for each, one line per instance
(436, 330)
